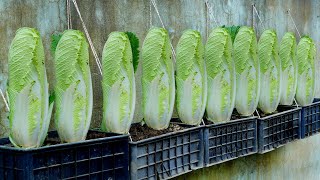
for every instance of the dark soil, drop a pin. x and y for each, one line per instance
(139, 132)
(56, 140)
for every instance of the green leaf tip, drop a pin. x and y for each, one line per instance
(55, 38)
(134, 42)
(232, 30)
(52, 97)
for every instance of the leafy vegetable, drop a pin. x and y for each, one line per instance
(158, 86)
(221, 76)
(118, 84)
(134, 42)
(247, 71)
(30, 112)
(287, 54)
(191, 78)
(306, 52)
(73, 90)
(270, 72)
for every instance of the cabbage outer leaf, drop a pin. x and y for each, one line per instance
(191, 78)
(118, 84)
(306, 52)
(270, 76)
(28, 90)
(73, 90)
(158, 85)
(289, 69)
(247, 71)
(221, 76)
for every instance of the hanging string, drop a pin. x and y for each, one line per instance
(294, 24)
(207, 20)
(150, 14)
(209, 10)
(69, 15)
(88, 37)
(203, 122)
(257, 113)
(255, 10)
(157, 11)
(130, 136)
(4, 100)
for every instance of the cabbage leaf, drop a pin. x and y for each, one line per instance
(270, 76)
(158, 85)
(306, 52)
(289, 69)
(73, 90)
(28, 91)
(221, 76)
(247, 71)
(191, 79)
(118, 84)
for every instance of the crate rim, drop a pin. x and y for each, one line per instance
(232, 121)
(143, 141)
(65, 145)
(317, 101)
(280, 113)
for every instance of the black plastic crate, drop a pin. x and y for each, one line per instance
(278, 129)
(230, 140)
(168, 155)
(310, 119)
(101, 158)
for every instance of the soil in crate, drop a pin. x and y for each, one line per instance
(56, 140)
(139, 132)
(262, 115)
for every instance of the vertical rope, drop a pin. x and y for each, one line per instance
(69, 15)
(252, 22)
(207, 20)
(4, 100)
(88, 37)
(150, 14)
(157, 11)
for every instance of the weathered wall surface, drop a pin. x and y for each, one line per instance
(295, 161)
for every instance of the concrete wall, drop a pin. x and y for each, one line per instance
(296, 160)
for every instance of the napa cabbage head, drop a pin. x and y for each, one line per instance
(28, 92)
(306, 52)
(221, 76)
(270, 68)
(158, 85)
(247, 71)
(289, 72)
(118, 84)
(73, 89)
(191, 79)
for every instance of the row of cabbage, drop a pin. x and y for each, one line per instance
(230, 71)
